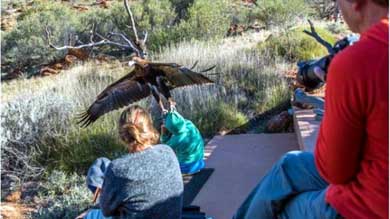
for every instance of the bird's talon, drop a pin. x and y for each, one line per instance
(172, 105)
(164, 111)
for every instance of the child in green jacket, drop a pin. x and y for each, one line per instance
(185, 140)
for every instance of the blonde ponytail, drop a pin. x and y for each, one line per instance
(136, 129)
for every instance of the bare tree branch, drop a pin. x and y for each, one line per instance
(103, 41)
(112, 42)
(317, 37)
(136, 45)
(127, 40)
(132, 20)
(145, 36)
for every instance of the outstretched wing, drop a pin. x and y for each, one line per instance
(121, 93)
(179, 76)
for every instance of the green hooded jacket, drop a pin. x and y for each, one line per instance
(183, 137)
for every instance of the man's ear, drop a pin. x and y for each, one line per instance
(358, 5)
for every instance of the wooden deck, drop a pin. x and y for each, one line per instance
(235, 165)
(306, 128)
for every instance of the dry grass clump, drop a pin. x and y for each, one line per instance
(246, 80)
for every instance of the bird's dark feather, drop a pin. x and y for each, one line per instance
(136, 70)
(115, 97)
(181, 76)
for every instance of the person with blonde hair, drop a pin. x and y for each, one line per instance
(146, 182)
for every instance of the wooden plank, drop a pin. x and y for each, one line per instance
(306, 127)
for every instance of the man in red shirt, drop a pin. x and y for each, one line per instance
(352, 151)
(348, 175)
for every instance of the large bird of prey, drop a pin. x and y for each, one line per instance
(144, 79)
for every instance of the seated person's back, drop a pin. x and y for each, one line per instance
(146, 183)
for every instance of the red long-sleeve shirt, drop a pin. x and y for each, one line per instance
(352, 151)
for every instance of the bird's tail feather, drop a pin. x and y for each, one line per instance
(194, 65)
(208, 69)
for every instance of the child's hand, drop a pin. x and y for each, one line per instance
(163, 129)
(96, 195)
(82, 215)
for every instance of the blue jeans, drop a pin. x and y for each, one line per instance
(193, 167)
(291, 189)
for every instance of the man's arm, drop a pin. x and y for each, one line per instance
(341, 136)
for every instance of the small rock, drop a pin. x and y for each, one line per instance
(279, 123)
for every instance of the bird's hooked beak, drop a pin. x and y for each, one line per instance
(131, 63)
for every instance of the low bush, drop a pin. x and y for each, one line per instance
(63, 196)
(219, 117)
(29, 125)
(323, 9)
(338, 28)
(39, 132)
(154, 16)
(181, 8)
(26, 45)
(295, 45)
(279, 13)
(81, 146)
(206, 19)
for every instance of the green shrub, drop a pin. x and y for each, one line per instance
(181, 8)
(39, 132)
(295, 45)
(206, 19)
(6, 4)
(337, 28)
(268, 98)
(29, 125)
(77, 150)
(219, 117)
(322, 9)
(154, 16)
(279, 12)
(26, 44)
(65, 196)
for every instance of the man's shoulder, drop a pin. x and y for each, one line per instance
(358, 58)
